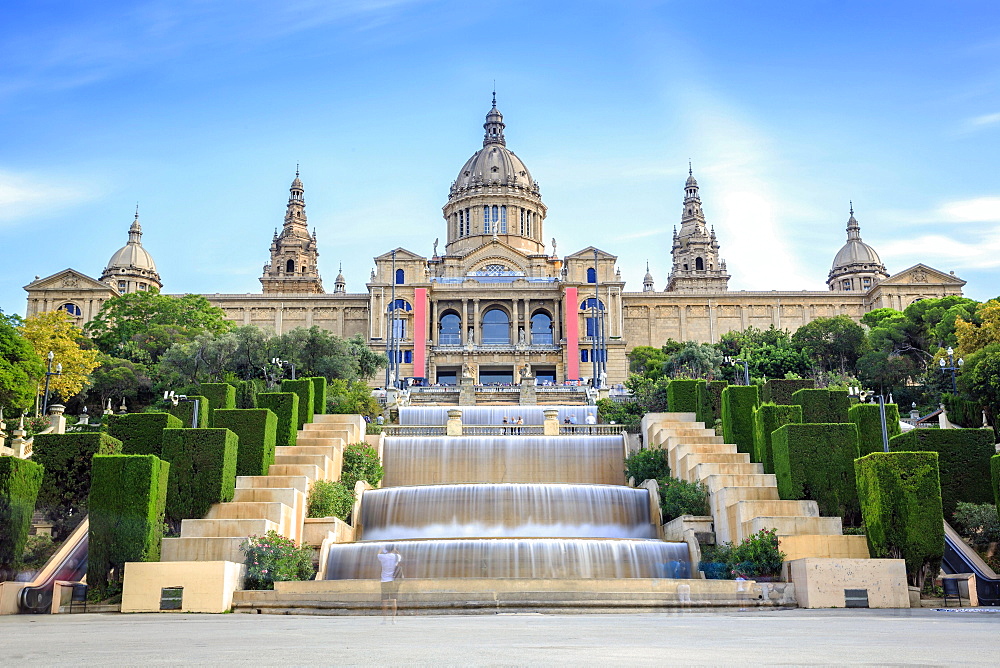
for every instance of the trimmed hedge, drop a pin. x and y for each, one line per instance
(963, 459)
(319, 394)
(20, 480)
(766, 419)
(220, 396)
(995, 474)
(257, 431)
(184, 411)
(66, 458)
(780, 391)
(246, 393)
(822, 406)
(142, 433)
(304, 388)
(710, 401)
(900, 496)
(286, 406)
(738, 404)
(202, 468)
(866, 417)
(816, 461)
(127, 498)
(682, 396)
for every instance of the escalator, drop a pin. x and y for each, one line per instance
(960, 558)
(69, 563)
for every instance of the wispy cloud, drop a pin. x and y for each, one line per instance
(974, 210)
(23, 196)
(978, 252)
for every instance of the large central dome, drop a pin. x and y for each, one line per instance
(493, 164)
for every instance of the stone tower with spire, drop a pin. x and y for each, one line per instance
(340, 283)
(856, 267)
(647, 280)
(131, 268)
(293, 267)
(697, 266)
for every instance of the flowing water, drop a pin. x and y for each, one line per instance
(490, 415)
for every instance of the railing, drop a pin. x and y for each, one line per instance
(497, 390)
(413, 430)
(504, 430)
(590, 430)
(435, 388)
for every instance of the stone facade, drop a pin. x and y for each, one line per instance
(498, 302)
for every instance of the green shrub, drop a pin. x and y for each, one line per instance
(66, 483)
(20, 480)
(900, 496)
(304, 389)
(142, 433)
(766, 419)
(816, 461)
(608, 411)
(202, 470)
(246, 393)
(780, 390)
(285, 406)
(869, 422)
(963, 461)
(822, 406)
(38, 549)
(256, 429)
(701, 401)
(682, 396)
(319, 394)
(738, 404)
(755, 556)
(184, 410)
(647, 465)
(273, 558)
(221, 396)
(361, 462)
(995, 475)
(127, 497)
(351, 398)
(979, 523)
(679, 497)
(709, 399)
(330, 499)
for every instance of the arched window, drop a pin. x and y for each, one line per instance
(400, 305)
(496, 213)
(71, 308)
(290, 267)
(450, 332)
(591, 275)
(400, 276)
(541, 329)
(699, 264)
(496, 327)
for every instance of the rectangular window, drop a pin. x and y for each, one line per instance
(399, 328)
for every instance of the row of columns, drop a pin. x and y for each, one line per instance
(520, 316)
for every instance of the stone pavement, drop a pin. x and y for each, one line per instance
(789, 637)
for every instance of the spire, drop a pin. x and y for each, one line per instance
(853, 229)
(647, 281)
(296, 190)
(494, 126)
(135, 230)
(340, 283)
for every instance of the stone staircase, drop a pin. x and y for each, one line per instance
(276, 501)
(743, 499)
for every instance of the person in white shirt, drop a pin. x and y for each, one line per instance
(590, 419)
(390, 559)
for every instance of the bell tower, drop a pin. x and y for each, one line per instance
(293, 267)
(697, 266)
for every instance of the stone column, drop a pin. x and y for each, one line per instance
(463, 332)
(434, 323)
(477, 333)
(454, 426)
(550, 426)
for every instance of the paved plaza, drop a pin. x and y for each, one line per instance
(789, 637)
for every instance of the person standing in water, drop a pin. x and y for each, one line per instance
(389, 559)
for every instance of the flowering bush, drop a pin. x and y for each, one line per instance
(273, 558)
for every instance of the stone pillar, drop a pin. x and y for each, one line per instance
(477, 333)
(57, 419)
(463, 329)
(454, 427)
(529, 396)
(434, 323)
(550, 427)
(467, 391)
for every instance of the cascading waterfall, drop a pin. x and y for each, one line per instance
(490, 415)
(514, 506)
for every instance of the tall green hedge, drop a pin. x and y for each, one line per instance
(142, 433)
(738, 404)
(816, 461)
(127, 498)
(869, 422)
(319, 394)
(767, 418)
(682, 396)
(256, 429)
(220, 396)
(963, 459)
(184, 410)
(710, 401)
(304, 388)
(822, 406)
(995, 474)
(246, 393)
(780, 390)
(66, 484)
(286, 406)
(20, 480)
(202, 470)
(900, 496)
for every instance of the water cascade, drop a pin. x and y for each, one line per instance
(490, 415)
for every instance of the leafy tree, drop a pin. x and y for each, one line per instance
(55, 332)
(116, 377)
(20, 365)
(832, 343)
(647, 465)
(317, 352)
(983, 379)
(141, 326)
(647, 361)
(768, 352)
(369, 361)
(980, 330)
(351, 398)
(694, 360)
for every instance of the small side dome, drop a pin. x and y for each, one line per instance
(132, 267)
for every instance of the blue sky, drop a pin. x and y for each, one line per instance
(199, 111)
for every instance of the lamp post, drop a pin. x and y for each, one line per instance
(175, 399)
(864, 395)
(48, 375)
(952, 366)
(746, 367)
(277, 361)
